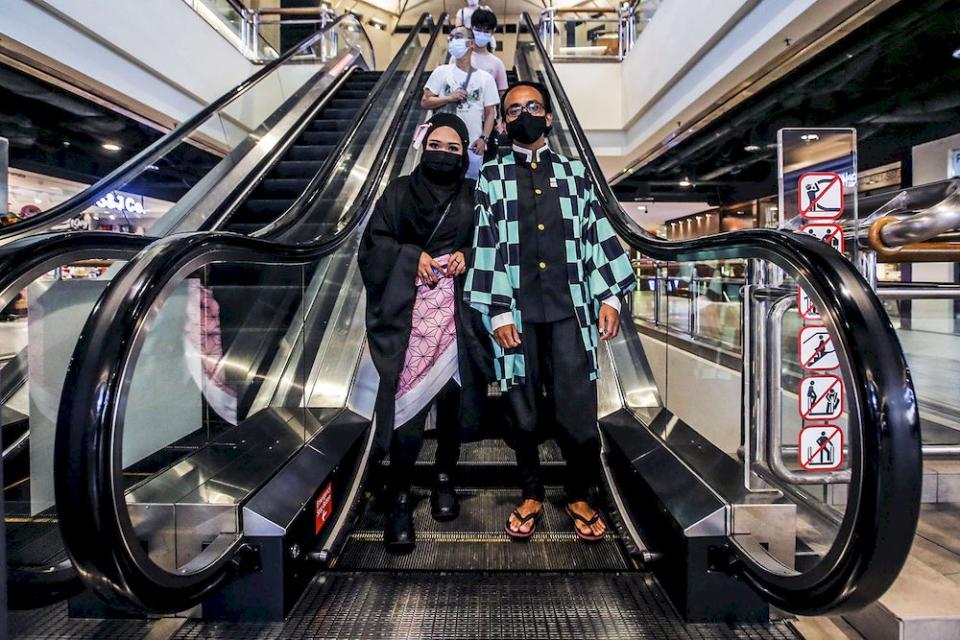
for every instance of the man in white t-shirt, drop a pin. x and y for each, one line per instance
(466, 91)
(484, 25)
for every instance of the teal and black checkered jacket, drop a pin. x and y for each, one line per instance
(597, 265)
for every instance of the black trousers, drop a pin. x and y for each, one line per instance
(557, 399)
(407, 439)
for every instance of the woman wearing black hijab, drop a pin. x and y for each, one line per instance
(426, 343)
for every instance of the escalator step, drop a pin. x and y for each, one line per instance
(259, 209)
(476, 540)
(329, 124)
(331, 113)
(354, 93)
(281, 187)
(343, 102)
(309, 152)
(328, 137)
(295, 168)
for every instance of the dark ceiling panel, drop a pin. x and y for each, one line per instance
(895, 79)
(56, 133)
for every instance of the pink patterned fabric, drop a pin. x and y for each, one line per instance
(434, 331)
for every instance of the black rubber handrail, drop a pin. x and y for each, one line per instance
(136, 165)
(878, 526)
(95, 524)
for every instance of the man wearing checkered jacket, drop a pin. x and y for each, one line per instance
(547, 273)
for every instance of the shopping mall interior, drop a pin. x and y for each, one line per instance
(307, 306)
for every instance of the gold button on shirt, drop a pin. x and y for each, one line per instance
(541, 227)
(543, 265)
(533, 165)
(538, 191)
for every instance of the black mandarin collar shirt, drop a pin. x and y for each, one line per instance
(544, 294)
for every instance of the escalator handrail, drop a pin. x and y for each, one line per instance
(95, 524)
(877, 530)
(136, 165)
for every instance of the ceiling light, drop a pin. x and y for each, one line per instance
(809, 137)
(110, 146)
(685, 182)
(66, 143)
(152, 167)
(752, 148)
(956, 54)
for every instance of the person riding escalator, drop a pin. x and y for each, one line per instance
(426, 344)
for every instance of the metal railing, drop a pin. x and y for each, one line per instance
(595, 34)
(251, 31)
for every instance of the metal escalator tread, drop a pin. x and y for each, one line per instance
(464, 606)
(53, 623)
(476, 540)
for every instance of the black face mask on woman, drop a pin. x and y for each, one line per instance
(527, 129)
(442, 167)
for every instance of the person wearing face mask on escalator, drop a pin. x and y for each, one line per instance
(548, 274)
(427, 345)
(470, 93)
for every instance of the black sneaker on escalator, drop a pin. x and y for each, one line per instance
(444, 505)
(398, 533)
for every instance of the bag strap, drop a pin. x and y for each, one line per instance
(442, 218)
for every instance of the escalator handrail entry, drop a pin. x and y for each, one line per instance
(878, 526)
(95, 524)
(136, 165)
(25, 258)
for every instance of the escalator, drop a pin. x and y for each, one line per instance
(313, 128)
(291, 176)
(277, 517)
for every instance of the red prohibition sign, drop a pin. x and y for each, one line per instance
(833, 438)
(836, 383)
(823, 184)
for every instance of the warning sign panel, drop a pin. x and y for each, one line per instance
(821, 397)
(821, 447)
(808, 310)
(832, 234)
(817, 351)
(820, 196)
(323, 508)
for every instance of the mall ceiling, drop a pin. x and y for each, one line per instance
(55, 132)
(896, 79)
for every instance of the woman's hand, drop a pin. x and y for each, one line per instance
(456, 265)
(425, 269)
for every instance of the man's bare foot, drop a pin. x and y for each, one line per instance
(526, 508)
(583, 509)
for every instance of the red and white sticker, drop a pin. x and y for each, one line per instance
(831, 234)
(808, 310)
(820, 397)
(820, 196)
(821, 447)
(323, 508)
(817, 351)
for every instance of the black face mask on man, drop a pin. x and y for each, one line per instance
(527, 129)
(442, 167)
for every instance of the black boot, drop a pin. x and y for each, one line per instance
(444, 504)
(398, 534)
